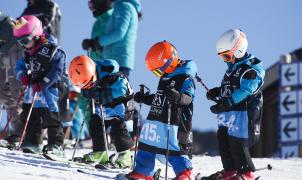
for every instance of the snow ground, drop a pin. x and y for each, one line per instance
(15, 165)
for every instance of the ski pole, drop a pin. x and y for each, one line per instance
(10, 117)
(67, 133)
(81, 129)
(103, 128)
(138, 125)
(168, 139)
(201, 82)
(27, 120)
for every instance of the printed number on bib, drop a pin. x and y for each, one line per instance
(149, 133)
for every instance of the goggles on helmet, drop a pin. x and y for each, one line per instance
(88, 85)
(159, 72)
(228, 55)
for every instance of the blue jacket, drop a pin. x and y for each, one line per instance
(109, 93)
(121, 31)
(49, 96)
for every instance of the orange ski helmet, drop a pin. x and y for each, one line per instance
(162, 58)
(82, 72)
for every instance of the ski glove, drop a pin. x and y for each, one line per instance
(176, 97)
(38, 87)
(145, 98)
(223, 105)
(212, 94)
(25, 80)
(91, 43)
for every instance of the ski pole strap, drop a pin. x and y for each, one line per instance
(201, 82)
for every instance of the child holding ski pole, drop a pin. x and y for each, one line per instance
(40, 70)
(238, 108)
(111, 92)
(176, 87)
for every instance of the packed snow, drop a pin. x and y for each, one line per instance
(15, 165)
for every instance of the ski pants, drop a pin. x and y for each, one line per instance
(234, 152)
(145, 163)
(40, 119)
(119, 134)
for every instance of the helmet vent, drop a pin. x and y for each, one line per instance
(78, 72)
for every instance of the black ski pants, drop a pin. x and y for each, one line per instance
(234, 152)
(119, 134)
(40, 119)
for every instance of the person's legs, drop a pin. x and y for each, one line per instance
(224, 149)
(180, 163)
(144, 163)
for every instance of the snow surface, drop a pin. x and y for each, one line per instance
(15, 165)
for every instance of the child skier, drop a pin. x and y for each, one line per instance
(40, 71)
(176, 87)
(101, 82)
(239, 106)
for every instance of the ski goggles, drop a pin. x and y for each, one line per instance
(227, 56)
(89, 85)
(159, 72)
(25, 40)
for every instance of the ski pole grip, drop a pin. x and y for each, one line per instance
(141, 90)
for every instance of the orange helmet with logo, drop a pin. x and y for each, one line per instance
(82, 72)
(162, 58)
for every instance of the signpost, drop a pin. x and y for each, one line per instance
(290, 110)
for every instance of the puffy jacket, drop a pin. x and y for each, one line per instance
(121, 31)
(98, 30)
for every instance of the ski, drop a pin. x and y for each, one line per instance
(199, 177)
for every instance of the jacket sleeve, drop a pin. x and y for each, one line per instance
(122, 17)
(187, 92)
(56, 69)
(20, 69)
(249, 84)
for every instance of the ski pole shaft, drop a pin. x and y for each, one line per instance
(1, 113)
(138, 126)
(27, 120)
(168, 139)
(104, 131)
(79, 135)
(201, 82)
(67, 133)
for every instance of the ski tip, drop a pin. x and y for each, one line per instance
(257, 178)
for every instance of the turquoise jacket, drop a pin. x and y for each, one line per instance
(98, 30)
(121, 31)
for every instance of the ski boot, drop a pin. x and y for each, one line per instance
(185, 175)
(220, 175)
(31, 148)
(137, 176)
(249, 175)
(100, 157)
(53, 149)
(123, 160)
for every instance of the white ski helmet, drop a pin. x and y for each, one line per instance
(232, 43)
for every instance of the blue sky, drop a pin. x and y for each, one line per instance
(273, 27)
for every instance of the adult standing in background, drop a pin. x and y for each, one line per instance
(118, 43)
(9, 86)
(101, 10)
(49, 14)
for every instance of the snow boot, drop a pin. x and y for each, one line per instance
(31, 148)
(53, 149)
(124, 159)
(185, 175)
(249, 175)
(100, 157)
(137, 176)
(219, 175)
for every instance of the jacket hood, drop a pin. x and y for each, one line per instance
(135, 3)
(107, 64)
(189, 68)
